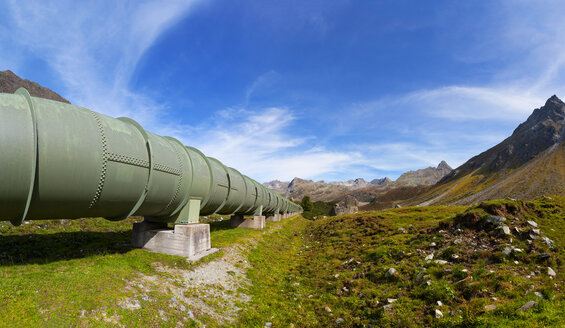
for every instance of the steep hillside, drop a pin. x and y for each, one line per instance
(497, 264)
(10, 82)
(529, 163)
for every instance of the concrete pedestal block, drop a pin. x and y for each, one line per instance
(258, 222)
(273, 218)
(138, 233)
(187, 240)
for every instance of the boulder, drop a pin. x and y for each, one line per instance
(527, 306)
(349, 205)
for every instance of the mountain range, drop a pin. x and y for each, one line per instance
(527, 164)
(359, 188)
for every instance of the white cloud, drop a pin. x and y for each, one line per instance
(261, 144)
(474, 103)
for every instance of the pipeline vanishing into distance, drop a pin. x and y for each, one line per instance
(60, 161)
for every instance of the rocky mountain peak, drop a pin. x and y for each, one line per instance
(544, 128)
(444, 166)
(553, 110)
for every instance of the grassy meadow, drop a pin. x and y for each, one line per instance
(371, 269)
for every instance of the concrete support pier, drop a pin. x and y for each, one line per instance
(274, 218)
(257, 223)
(187, 240)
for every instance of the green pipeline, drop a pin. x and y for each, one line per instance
(60, 161)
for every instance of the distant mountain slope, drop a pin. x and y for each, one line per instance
(359, 188)
(10, 82)
(424, 177)
(529, 163)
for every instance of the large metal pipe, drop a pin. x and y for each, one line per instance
(63, 161)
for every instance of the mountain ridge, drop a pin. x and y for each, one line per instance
(527, 164)
(359, 188)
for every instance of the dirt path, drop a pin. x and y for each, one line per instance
(213, 291)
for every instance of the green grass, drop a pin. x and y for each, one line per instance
(341, 263)
(80, 272)
(76, 272)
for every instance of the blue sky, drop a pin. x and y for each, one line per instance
(330, 90)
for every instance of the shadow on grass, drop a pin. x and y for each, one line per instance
(45, 248)
(220, 225)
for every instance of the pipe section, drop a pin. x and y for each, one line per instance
(64, 161)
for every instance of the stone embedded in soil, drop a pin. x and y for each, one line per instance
(527, 306)
(490, 307)
(504, 230)
(551, 272)
(533, 224)
(387, 307)
(496, 219)
(339, 321)
(544, 256)
(438, 314)
(547, 241)
(507, 250)
(429, 257)
(391, 272)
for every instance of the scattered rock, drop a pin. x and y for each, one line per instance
(538, 294)
(547, 241)
(387, 307)
(551, 272)
(339, 321)
(507, 250)
(328, 309)
(468, 279)
(496, 219)
(454, 256)
(433, 244)
(441, 262)
(536, 231)
(527, 306)
(438, 313)
(429, 257)
(490, 307)
(439, 303)
(391, 272)
(533, 224)
(543, 256)
(401, 230)
(268, 324)
(427, 283)
(458, 241)
(504, 230)
(391, 300)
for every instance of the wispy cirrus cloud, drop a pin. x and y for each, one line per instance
(263, 143)
(93, 50)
